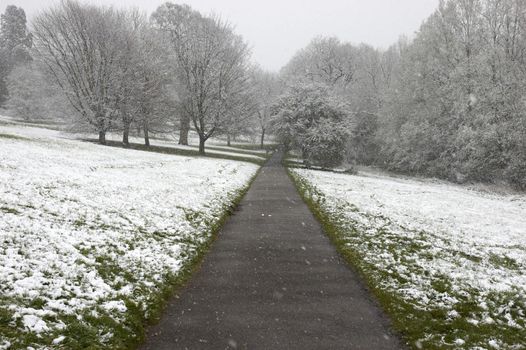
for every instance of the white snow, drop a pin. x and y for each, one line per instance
(421, 231)
(84, 227)
(34, 323)
(58, 340)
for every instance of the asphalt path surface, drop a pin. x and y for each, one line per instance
(273, 280)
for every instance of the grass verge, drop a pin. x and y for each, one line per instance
(434, 324)
(175, 284)
(13, 137)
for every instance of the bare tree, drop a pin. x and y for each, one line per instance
(80, 44)
(210, 63)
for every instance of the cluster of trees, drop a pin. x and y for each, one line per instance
(105, 63)
(458, 101)
(116, 70)
(345, 83)
(450, 103)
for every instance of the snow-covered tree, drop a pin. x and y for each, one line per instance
(308, 118)
(324, 60)
(455, 104)
(81, 45)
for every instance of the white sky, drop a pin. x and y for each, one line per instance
(276, 29)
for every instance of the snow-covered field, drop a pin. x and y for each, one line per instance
(90, 235)
(449, 261)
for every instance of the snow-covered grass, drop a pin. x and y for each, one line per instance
(212, 147)
(93, 238)
(448, 263)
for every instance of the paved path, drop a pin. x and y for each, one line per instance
(272, 280)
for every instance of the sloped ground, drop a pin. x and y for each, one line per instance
(93, 238)
(448, 263)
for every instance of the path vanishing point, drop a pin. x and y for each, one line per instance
(273, 280)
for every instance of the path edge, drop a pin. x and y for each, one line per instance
(380, 298)
(173, 288)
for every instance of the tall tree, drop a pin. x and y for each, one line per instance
(175, 22)
(81, 46)
(210, 62)
(15, 42)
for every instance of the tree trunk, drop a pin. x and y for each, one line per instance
(146, 134)
(183, 131)
(262, 138)
(201, 145)
(126, 134)
(102, 137)
(228, 140)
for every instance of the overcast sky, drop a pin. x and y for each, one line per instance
(276, 29)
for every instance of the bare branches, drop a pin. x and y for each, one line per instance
(210, 63)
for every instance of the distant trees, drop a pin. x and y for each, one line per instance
(239, 113)
(450, 103)
(349, 73)
(456, 107)
(267, 88)
(210, 65)
(325, 61)
(15, 42)
(33, 95)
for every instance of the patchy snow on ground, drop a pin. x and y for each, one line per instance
(88, 232)
(448, 250)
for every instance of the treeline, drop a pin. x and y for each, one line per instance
(108, 70)
(449, 103)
